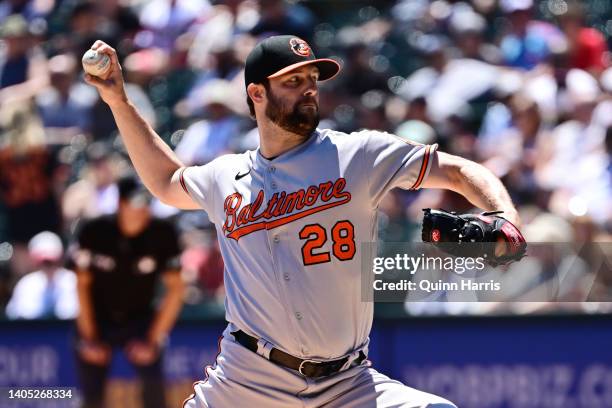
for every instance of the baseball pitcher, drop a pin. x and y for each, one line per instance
(290, 217)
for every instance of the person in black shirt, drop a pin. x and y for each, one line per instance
(120, 260)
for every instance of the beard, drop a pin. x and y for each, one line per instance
(292, 119)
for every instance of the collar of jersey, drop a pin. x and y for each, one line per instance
(259, 159)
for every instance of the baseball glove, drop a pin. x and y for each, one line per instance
(440, 226)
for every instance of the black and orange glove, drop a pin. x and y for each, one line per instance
(441, 226)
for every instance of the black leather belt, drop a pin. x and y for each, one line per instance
(308, 368)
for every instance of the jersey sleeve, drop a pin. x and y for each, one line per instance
(198, 182)
(395, 162)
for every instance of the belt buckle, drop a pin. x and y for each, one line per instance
(302, 365)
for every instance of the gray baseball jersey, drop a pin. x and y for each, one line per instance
(290, 231)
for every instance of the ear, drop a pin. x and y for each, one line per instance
(256, 92)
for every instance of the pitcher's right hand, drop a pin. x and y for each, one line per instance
(110, 86)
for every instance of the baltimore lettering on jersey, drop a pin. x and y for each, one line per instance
(240, 221)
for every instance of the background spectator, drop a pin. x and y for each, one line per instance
(22, 63)
(65, 106)
(586, 46)
(49, 292)
(219, 132)
(30, 181)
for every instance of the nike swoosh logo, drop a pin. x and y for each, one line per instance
(239, 176)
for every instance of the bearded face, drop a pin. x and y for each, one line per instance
(301, 117)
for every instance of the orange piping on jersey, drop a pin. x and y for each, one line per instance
(423, 170)
(192, 396)
(182, 180)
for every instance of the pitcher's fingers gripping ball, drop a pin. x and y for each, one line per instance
(103, 71)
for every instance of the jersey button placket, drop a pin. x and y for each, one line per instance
(273, 184)
(275, 240)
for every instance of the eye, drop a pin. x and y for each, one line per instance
(293, 81)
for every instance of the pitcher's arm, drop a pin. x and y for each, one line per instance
(154, 160)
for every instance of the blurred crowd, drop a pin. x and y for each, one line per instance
(521, 86)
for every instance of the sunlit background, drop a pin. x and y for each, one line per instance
(523, 87)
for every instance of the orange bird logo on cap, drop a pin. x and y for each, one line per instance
(300, 47)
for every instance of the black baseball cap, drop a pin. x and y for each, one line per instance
(131, 190)
(280, 54)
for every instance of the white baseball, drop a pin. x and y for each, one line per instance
(96, 63)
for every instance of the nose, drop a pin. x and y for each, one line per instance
(312, 89)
